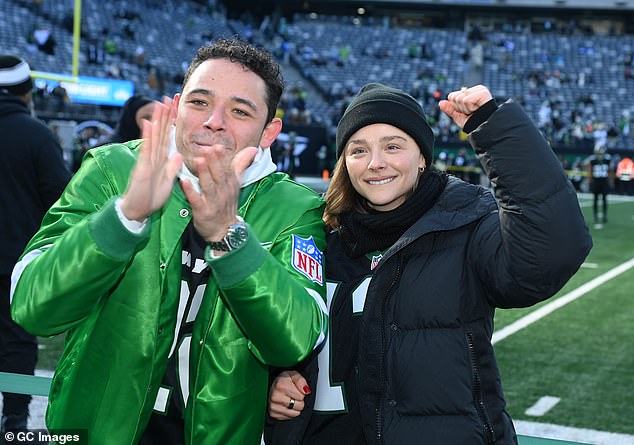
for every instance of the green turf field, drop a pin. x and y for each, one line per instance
(582, 353)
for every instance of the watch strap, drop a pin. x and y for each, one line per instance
(224, 245)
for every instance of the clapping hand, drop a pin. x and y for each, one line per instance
(153, 176)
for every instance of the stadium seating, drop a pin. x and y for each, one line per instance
(150, 42)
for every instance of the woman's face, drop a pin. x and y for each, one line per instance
(144, 114)
(383, 164)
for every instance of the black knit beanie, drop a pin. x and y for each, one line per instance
(379, 104)
(15, 75)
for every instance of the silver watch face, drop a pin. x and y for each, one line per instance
(237, 235)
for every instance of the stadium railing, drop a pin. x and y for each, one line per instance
(39, 386)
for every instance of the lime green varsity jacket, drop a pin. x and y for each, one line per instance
(115, 295)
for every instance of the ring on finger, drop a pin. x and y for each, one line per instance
(291, 403)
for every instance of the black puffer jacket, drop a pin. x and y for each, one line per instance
(32, 176)
(427, 370)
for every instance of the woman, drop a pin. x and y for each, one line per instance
(135, 110)
(417, 262)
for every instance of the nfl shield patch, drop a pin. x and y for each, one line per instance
(375, 261)
(307, 259)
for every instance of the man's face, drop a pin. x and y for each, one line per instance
(222, 103)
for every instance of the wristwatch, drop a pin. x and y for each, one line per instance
(236, 236)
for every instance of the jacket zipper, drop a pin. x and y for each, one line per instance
(378, 424)
(477, 392)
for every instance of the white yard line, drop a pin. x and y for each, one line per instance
(583, 435)
(611, 198)
(551, 431)
(542, 406)
(536, 315)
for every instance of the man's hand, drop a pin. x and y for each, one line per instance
(289, 385)
(215, 208)
(152, 179)
(460, 105)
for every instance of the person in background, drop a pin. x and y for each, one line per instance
(32, 176)
(135, 110)
(418, 261)
(177, 298)
(599, 167)
(625, 176)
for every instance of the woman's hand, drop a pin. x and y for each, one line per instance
(286, 398)
(461, 104)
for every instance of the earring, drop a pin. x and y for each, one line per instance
(421, 170)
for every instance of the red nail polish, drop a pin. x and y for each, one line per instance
(306, 390)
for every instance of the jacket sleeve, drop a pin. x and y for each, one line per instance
(528, 250)
(282, 312)
(75, 258)
(290, 432)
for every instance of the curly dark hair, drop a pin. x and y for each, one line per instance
(254, 59)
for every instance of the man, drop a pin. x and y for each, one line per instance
(174, 306)
(599, 165)
(32, 176)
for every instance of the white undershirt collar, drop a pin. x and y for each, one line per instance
(261, 166)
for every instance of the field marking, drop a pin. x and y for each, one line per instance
(542, 406)
(534, 316)
(583, 435)
(590, 265)
(587, 199)
(611, 197)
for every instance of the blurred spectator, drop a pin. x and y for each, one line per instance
(43, 38)
(86, 139)
(128, 31)
(625, 176)
(625, 125)
(576, 174)
(286, 160)
(155, 80)
(60, 98)
(139, 55)
(110, 46)
(476, 34)
(96, 53)
(441, 161)
(460, 165)
(33, 175)
(599, 166)
(112, 70)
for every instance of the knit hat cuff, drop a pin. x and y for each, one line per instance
(15, 79)
(386, 111)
